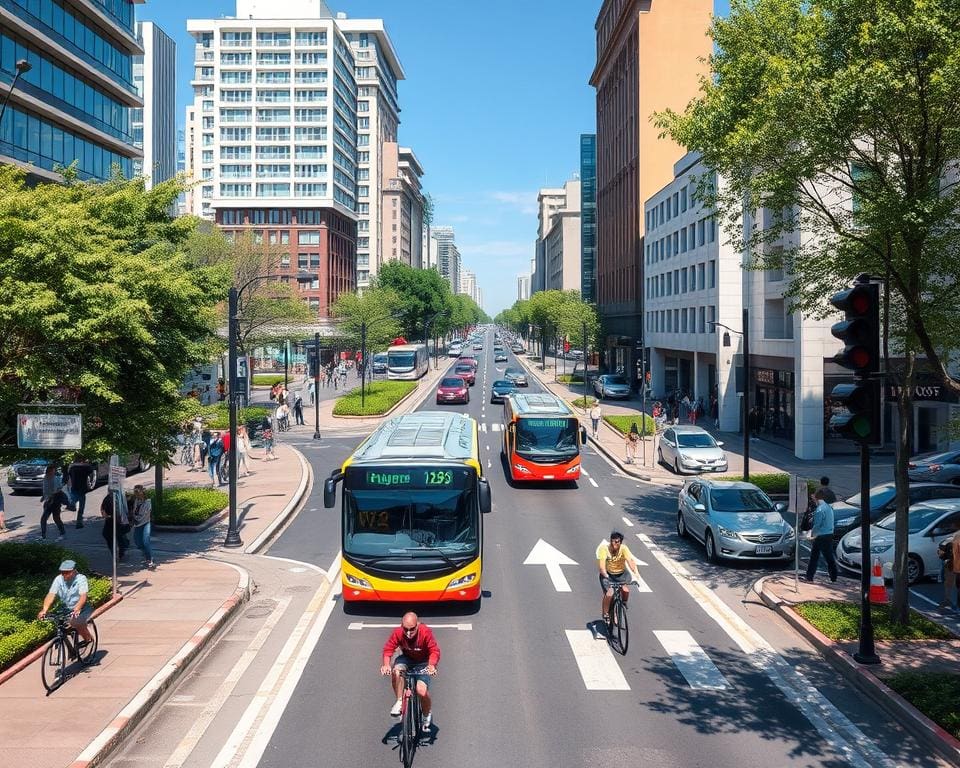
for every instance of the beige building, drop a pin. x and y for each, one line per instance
(562, 242)
(402, 206)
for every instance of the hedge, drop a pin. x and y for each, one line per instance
(570, 378)
(582, 402)
(935, 693)
(26, 571)
(380, 397)
(187, 505)
(623, 423)
(840, 620)
(770, 482)
(267, 379)
(217, 416)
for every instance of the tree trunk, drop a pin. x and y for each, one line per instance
(900, 608)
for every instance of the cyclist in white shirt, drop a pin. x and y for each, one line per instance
(70, 588)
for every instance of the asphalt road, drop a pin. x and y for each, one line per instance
(529, 679)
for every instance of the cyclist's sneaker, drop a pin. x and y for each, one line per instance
(395, 710)
(425, 722)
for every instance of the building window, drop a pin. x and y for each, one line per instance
(701, 270)
(713, 274)
(308, 237)
(683, 199)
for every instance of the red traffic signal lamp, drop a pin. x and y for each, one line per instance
(860, 329)
(861, 420)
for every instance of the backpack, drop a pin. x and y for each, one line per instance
(216, 448)
(806, 522)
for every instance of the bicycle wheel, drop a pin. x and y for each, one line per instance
(223, 468)
(406, 731)
(88, 653)
(622, 630)
(53, 665)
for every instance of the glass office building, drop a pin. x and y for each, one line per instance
(588, 217)
(73, 104)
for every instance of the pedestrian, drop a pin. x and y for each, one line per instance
(3, 520)
(52, 498)
(106, 512)
(828, 495)
(141, 524)
(243, 450)
(342, 374)
(268, 445)
(284, 398)
(298, 409)
(282, 417)
(950, 579)
(633, 438)
(196, 439)
(595, 415)
(822, 535)
(80, 474)
(214, 453)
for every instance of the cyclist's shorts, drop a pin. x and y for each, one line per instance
(83, 618)
(614, 578)
(418, 668)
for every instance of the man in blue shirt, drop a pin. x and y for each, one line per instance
(822, 535)
(70, 588)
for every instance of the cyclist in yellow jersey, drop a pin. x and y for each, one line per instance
(617, 566)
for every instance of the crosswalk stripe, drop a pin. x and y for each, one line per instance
(598, 667)
(495, 427)
(483, 427)
(691, 660)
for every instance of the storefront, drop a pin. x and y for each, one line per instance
(772, 404)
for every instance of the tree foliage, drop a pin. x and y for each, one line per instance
(559, 314)
(99, 305)
(377, 308)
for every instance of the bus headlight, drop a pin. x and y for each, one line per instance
(353, 581)
(462, 581)
(573, 470)
(521, 468)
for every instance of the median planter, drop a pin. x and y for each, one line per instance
(623, 423)
(381, 397)
(187, 509)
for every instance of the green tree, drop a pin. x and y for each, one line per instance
(99, 305)
(840, 117)
(378, 308)
(422, 294)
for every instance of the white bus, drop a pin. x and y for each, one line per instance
(407, 361)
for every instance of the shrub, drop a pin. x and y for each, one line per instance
(770, 482)
(186, 505)
(37, 558)
(840, 620)
(267, 379)
(380, 397)
(935, 693)
(623, 423)
(570, 378)
(584, 403)
(217, 416)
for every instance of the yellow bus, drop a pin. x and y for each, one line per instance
(412, 503)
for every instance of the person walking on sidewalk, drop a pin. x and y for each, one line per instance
(822, 535)
(52, 498)
(298, 409)
(80, 473)
(828, 495)
(595, 415)
(268, 454)
(214, 453)
(633, 438)
(243, 451)
(106, 512)
(141, 524)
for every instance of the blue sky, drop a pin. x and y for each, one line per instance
(494, 101)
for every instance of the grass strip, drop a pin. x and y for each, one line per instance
(935, 694)
(840, 620)
(267, 379)
(622, 423)
(380, 397)
(187, 505)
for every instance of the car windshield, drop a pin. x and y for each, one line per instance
(458, 383)
(513, 372)
(547, 440)
(503, 384)
(463, 369)
(740, 500)
(917, 519)
(695, 440)
(380, 358)
(618, 380)
(879, 497)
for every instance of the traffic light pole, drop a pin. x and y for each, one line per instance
(866, 652)
(746, 395)
(316, 389)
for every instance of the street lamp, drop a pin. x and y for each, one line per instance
(23, 66)
(233, 301)
(316, 388)
(746, 384)
(364, 324)
(426, 334)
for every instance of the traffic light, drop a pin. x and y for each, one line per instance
(861, 421)
(860, 329)
(312, 363)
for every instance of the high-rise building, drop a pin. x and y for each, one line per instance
(155, 124)
(402, 205)
(560, 241)
(378, 117)
(469, 286)
(447, 257)
(272, 138)
(523, 287)
(651, 55)
(588, 217)
(73, 103)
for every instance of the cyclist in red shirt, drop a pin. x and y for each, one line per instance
(419, 652)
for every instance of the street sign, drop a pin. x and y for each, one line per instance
(59, 431)
(117, 474)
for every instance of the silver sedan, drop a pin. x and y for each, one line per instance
(691, 449)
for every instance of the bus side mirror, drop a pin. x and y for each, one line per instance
(583, 435)
(329, 493)
(485, 503)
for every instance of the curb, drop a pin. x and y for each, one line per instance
(920, 726)
(208, 523)
(131, 715)
(35, 654)
(306, 482)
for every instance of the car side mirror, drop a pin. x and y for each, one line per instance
(719, 443)
(330, 492)
(485, 500)
(699, 508)
(780, 506)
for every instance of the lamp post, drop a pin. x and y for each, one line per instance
(316, 388)
(427, 325)
(364, 324)
(746, 384)
(585, 363)
(286, 365)
(23, 66)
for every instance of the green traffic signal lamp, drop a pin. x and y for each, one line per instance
(860, 329)
(860, 421)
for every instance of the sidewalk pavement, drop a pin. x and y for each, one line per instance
(765, 456)
(780, 593)
(147, 639)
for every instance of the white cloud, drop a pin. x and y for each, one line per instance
(524, 202)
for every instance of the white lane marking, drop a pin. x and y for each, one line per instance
(367, 625)
(583, 471)
(495, 427)
(835, 728)
(488, 447)
(640, 585)
(627, 522)
(489, 464)
(593, 482)
(598, 667)
(483, 427)
(216, 702)
(255, 729)
(545, 554)
(607, 499)
(691, 660)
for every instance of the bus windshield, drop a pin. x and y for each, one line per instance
(402, 359)
(547, 440)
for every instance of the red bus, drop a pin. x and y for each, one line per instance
(542, 438)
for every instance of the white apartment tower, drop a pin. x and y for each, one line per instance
(155, 124)
(445, 257)
(402, 206)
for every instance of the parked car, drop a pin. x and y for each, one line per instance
(453, 389)
(691, 449)
(517, 349)
(477, 345)
(883, 501)
(27, 475)
(501, 389)
(935, 468)
(467, 372)
(455, 350)
(929, 523)
(379, 364)
(611, 385)
(500, 357)
(516, 375)
(734, 520)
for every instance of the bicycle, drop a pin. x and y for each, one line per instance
(223, 468)
(186, 452)
(618, 630)
(410, 715)
(66, 644)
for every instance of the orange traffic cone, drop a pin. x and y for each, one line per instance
(878, 590)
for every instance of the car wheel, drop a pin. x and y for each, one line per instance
(914, 569)
(682, 531)
(711, 548)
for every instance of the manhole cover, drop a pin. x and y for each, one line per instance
(300, 588)
(260, 609)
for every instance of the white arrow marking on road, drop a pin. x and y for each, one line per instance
(627, 522)
(483, 427)
(692, 661)
(545, 554)
(368, 625)
(593, 482)
(598, 667)
(607, 499)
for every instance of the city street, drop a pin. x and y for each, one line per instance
(710, 671)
